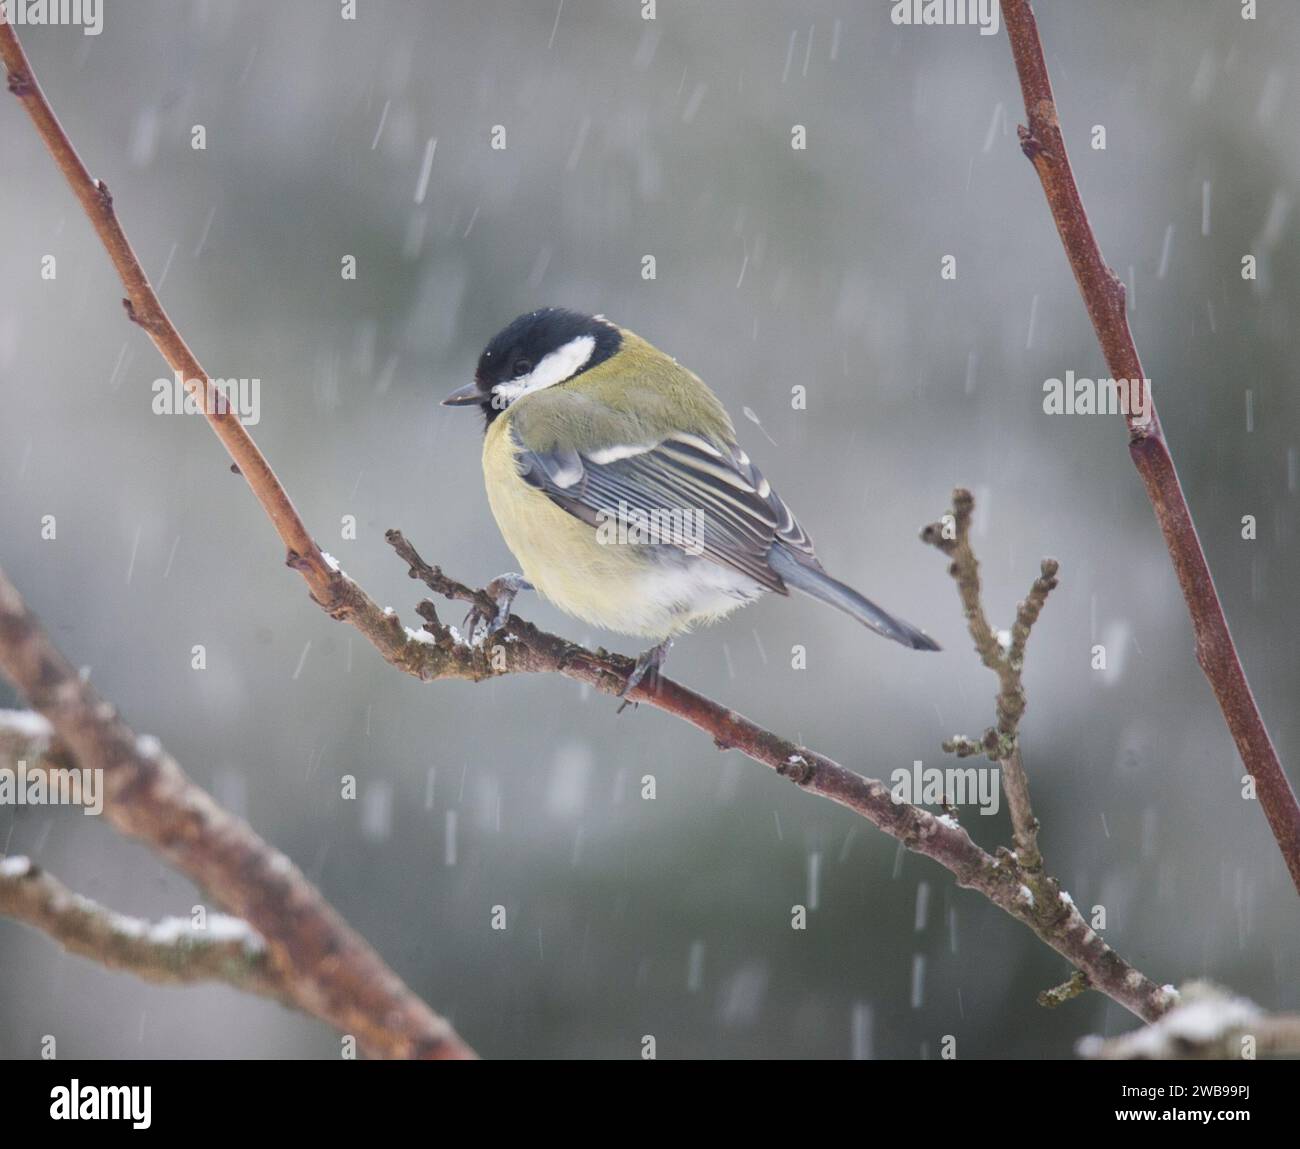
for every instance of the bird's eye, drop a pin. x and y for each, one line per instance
(522, 368)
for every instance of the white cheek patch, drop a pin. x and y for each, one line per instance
(561, 364)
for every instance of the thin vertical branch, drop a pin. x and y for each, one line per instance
(143, 307)
(1104, 296)
(1000, 743)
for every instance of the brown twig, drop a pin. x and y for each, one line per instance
(1000, 744)
(324, 967)
(1104, 296)
(435, 653)
(521, 647)
(169, 953)
(143, 307)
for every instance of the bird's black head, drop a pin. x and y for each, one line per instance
(537, 350)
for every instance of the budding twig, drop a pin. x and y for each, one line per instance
(1068, 990)
(1001, 744)
(951, 535)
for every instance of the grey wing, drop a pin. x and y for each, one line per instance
(724, 507)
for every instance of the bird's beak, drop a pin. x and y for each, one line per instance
(464, 396)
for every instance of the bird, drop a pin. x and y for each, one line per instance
(616, 480)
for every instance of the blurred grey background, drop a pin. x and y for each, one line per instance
(775, 267)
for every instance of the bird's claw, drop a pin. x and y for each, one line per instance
(502, 591)
(646, 671)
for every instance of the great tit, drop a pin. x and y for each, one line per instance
(614, 475)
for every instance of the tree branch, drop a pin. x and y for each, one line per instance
(951, 535)
(172, 952)
(435, 652)
(324, 967)
(521, 647)
(143, 307)
(1104, 296)
(1004, 656)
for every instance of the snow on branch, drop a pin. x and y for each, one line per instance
(316, 961)
(171, 952)
(1207, 1023)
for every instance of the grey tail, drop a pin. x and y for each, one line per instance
(817, 583)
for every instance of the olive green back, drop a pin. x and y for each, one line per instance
(639, 396)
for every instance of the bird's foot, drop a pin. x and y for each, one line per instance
(502, 591)
(645, 671)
